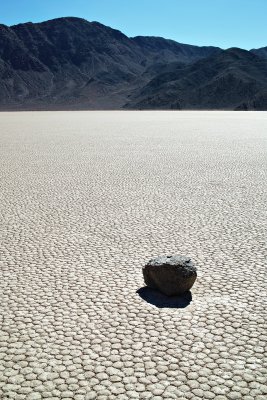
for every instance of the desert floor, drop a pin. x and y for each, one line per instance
(86, 199)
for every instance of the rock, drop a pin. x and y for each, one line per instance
(172, 275)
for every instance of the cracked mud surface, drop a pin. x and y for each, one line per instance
(87, 198)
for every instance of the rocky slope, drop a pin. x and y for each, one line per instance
(70, 63)
(232, 79)
(73, 63)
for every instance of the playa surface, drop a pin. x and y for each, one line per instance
(87, 198)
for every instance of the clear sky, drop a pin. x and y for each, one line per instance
(223, 23)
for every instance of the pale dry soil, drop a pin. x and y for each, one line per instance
(87, 198)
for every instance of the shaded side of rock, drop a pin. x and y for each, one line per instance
(172, 275)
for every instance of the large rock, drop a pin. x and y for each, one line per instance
(172, 275)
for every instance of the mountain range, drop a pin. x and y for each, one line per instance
(70, 64)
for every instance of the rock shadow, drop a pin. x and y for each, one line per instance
(160, 300)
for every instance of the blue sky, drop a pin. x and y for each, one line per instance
(224, 23)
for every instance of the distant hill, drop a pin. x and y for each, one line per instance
(262, 52)
(70, 63)
(234, 79)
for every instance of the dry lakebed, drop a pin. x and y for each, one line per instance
(87, 198)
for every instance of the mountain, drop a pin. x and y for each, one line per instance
(72, 63)
(233, 79)
(262, 52)
(159, 50)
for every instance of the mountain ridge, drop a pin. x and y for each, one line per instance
(234, 79)
(71, 63)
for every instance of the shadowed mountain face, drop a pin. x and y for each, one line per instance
(70, 63)
(232, 79)
(262, 52)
